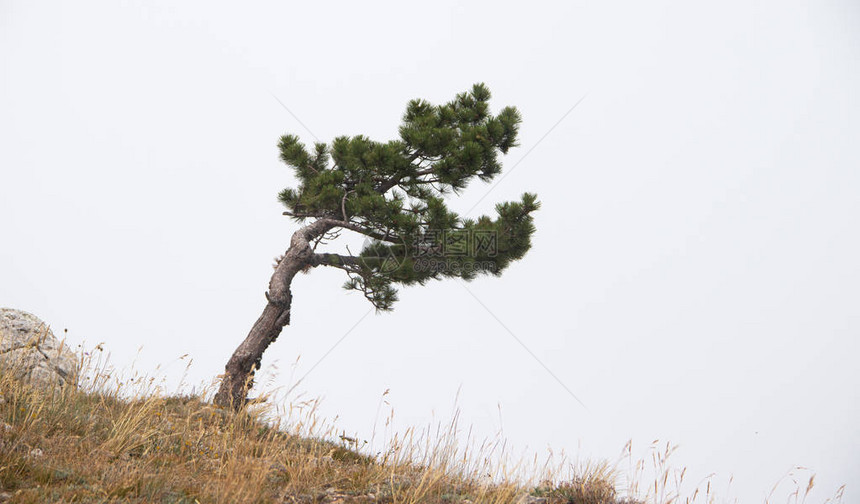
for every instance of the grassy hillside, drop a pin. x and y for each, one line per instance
(78, 445)
(115, 440)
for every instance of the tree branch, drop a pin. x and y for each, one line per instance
(303, 215)
(383, 188)
(343, 205)
(358, 228)
(344, 262)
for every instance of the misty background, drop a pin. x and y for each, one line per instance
(694, 277)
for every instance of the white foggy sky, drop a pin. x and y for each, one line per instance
(694, 277)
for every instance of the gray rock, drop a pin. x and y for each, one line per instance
(31, 352)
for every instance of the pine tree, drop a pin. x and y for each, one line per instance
(394, 194)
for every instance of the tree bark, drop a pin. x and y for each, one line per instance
(239, 371)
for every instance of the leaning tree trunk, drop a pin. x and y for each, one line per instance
(239, 371)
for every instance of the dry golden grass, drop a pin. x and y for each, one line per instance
(114, 439)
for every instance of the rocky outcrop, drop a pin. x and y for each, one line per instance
(31, 352)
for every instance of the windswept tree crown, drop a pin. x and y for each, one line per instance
(394, 193)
